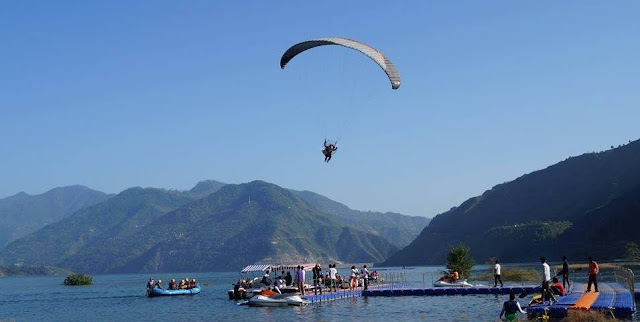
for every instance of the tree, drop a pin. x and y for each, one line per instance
(632, 252)
(459, 259)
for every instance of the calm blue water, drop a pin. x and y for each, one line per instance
(122, 298)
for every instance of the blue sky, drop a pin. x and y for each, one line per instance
(116, 94)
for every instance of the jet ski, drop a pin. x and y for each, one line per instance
(447, 283)
(277, 300)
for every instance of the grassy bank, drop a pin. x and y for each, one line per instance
(584, 266)
(586, 316)
(510, 274)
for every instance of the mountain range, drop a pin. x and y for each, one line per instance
(22, 214)
(213, 226)
(587, 205)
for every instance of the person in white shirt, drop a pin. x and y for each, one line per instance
(496, 275)
(546, 279)
(332, 275)
(354, 278)
(365, 273)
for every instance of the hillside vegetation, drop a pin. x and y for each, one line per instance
(585, 205)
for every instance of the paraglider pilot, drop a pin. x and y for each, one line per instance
(329, 149)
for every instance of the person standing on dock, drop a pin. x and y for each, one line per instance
(511, 308)
(546, 279)
(566, 283)
(354, 278)
(496, 275)
(300, 279)
(317, 277)
(332, 275)
(594, 269)
(365, 273)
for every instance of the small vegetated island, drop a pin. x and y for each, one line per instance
(74, 279)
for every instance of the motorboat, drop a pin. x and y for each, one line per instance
(277, 300)
(253, 277)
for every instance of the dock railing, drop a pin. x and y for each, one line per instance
(624, 276)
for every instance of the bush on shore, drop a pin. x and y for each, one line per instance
(512, 274)
(78, 279)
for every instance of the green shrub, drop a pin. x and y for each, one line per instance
(78, 279)
(632, 252)
(459, 259)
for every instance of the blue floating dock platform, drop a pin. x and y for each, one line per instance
(441, 291)
(612, 298)
(331, 296)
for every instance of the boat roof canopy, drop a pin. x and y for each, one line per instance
(255, 268)
(265, 267)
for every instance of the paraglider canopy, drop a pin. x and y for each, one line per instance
(382, 61)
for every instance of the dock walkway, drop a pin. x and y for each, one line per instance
(438, 291)
(612, 299)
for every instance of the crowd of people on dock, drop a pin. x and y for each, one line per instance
(184, 284)
(329, 279)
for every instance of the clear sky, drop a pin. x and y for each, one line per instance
(114, 94)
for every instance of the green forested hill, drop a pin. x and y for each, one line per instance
(399, 229)
(125, 213)
(23, 214)
(583, 205)
(157, 230)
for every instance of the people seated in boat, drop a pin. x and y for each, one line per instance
(158, 284)
(193, 284)
(455, 276)
(557, 287)
(288, 279)
(511, 308)
(266, 279)
(182, 284)
(275, 287)
(239, 290)
(173, 285)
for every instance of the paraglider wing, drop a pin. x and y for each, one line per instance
(375, 55)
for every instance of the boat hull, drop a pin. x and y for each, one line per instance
(278, 300)
(448, 284)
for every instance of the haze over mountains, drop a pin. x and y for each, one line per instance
(22, 214)
(585, 205)
(212, 227)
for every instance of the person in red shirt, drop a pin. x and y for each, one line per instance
(593, 275)
(558, 286)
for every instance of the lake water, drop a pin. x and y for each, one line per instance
(122, 298)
